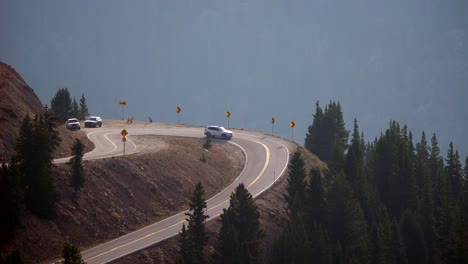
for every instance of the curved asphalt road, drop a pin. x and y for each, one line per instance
(266, 160)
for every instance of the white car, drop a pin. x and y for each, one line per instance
(218, 131)
(73, 124)
(93, 121)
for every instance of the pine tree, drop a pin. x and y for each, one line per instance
(71, 254)
(416, 251)
(83, 110)
(11, 200)
(293, 246)
(316, 206)
(77, 170)
(75, 110)
(196, 224)
(185, 248)
(327, 128)
(295, 195)
(454, 172)
(347, 223)
(240, 233)
(34, 155)
(61, 104)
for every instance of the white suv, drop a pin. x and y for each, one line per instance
(73, 124)
(93, 121)
(218, 131)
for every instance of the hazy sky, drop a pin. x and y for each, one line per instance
(405, 60)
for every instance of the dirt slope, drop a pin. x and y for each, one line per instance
(273, 217)
(16, 100)
(125, 193)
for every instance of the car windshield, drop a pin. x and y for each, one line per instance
(93, 118)
(222, 129)
(72, 120)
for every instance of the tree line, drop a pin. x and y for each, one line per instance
(26, 182)
(64, 107)
(387, 201)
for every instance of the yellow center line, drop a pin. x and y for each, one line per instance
(267, 160)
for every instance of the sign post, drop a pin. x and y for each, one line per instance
(273, 125)
(124, 134)
(292, 124)
(228, 115)
(123, 104)
(178, 110)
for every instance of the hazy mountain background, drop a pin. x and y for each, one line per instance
(405, 60)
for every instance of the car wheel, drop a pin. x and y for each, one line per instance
(208, 135)
(224, 136)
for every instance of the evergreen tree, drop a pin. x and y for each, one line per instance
(316, 206)
(454, 172)
(295, 189)
(196, 225)
(75, 110)
(83, 110)
(347, 223)
(416, 250)
(321, 246)
(185, 248)
(11, 197)
(240, 233)
(77, 170)
(443, 204)
(382, 246)
(61, 104)
(71, 254)
(293, 246)
(34, 155)
(327, 128)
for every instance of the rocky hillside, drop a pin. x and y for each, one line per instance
(17, 99)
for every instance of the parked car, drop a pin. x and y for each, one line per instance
(73, 124)
(218, 131)
(93, 121)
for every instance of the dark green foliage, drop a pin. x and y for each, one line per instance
(15, 257)
(293, 246)
(11, 200)
(61, 104)
(315, 203)
(240, 233)
(388, 201)
(71, 254)
(76, 166)
(327, 128)
(413, 236)
(295, 195)
(454, 172)
(185, 248)
(83, 110)
(196, 237)
(34, 156)
(346, 221)
(75, 110)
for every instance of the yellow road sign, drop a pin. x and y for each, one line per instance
(123, 103)
(292, 124)
(124, 133)
(273, 120)
(228, 114)
(124, 139)
(178, 109)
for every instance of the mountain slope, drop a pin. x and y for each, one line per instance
(17, 99)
